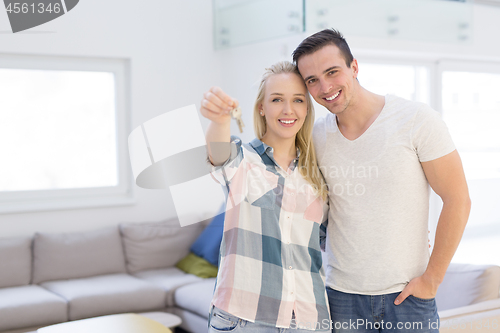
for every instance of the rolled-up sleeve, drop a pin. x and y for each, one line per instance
(225, 172)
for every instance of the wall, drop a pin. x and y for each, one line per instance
(173, 62)
(169, 45)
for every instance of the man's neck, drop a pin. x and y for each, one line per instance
(363, 110)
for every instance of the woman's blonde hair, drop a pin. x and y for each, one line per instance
(308, 165)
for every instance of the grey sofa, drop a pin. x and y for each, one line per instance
(52, 278)
(468, 299)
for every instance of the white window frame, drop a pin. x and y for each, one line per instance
(407, 59)
(459, 65)
(477, 66)
(60, 199)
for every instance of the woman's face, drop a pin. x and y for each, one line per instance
(284, 105)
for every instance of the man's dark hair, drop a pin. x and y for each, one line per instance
(320, 39)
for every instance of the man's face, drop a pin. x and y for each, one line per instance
(329, 81)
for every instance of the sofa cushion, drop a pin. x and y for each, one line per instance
(207, 245)
(77, 255)
(157, 244)
(27, 306)
(15, 261)
(196, 297)
(169, 279)
(478, 309)
(107, 294)
(465, 284)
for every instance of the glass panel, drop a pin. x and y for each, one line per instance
(471, 108)
(445, 21)
(57, 130)
(238, 22)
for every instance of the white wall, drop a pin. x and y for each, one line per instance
(173, 62)
(169, 44)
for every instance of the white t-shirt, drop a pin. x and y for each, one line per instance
(377, 235)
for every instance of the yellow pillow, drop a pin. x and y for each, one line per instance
(198, 266)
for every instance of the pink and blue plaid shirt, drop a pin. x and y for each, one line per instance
(270, 257)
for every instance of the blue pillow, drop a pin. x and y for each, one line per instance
(207, 245)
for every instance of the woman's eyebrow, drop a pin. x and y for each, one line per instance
(279, 94)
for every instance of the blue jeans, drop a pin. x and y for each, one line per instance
(221, 321)
(352, 313)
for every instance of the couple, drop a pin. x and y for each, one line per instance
(377, 156)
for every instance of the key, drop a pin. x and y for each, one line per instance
(236, 114)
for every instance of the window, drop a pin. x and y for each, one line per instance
(471, 109)
(403, 80)
(63, 133)
(406, 81)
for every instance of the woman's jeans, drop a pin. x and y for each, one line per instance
(221, 321)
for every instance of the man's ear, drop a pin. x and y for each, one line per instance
(355, 68)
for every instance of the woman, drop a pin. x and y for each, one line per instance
(270, 270)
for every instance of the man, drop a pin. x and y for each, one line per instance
(379, 154)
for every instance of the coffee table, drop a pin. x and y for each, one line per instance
(166, 319)
(120, 323)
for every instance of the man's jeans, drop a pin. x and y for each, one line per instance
(352, 313)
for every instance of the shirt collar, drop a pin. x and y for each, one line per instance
(261, 148)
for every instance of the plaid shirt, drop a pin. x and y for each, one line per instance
(270, 257)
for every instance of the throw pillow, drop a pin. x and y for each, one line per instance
(155, 245)
(198, 266)
(15, 261)
(76, 255)
(207, 245)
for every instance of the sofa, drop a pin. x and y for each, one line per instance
(53, 278)
(468, 299)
